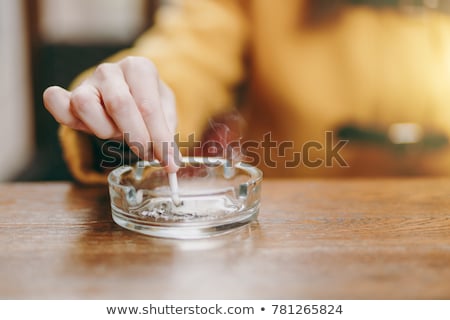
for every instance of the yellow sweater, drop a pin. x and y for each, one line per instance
(365, 66)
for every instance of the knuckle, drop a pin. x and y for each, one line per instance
(133, 62)
(151, 68)
(104, 70)
(146, 108)
(80, 101)
(117, 104)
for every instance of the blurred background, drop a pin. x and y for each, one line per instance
(48, 42)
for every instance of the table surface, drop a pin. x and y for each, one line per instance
(314, 239)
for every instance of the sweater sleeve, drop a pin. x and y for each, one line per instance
(198, 48)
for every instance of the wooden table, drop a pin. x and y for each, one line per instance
(327, 239)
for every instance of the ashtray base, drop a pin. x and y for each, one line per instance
(185, 231)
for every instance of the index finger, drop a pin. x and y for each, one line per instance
(119, 104)
(143, 81)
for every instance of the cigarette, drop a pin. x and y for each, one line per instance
(173, 182)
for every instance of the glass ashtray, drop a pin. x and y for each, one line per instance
(215, 198)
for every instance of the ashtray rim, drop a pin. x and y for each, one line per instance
(256, 175)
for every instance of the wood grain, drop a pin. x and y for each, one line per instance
(327, 239)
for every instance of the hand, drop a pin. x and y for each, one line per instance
(124, 98)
